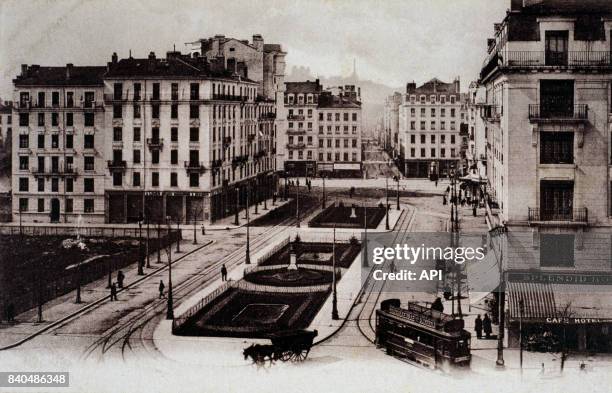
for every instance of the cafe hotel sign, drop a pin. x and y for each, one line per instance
(560, 278)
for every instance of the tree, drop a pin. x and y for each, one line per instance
(195, 214)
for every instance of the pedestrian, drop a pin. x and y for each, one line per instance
(474, 210)
(444, 199)
(10, 313)
(161, 289)
(486, 326)
(223, 273)
(120, 278)
(113, 292)
(436, 182)
(478, 327)
(437, 305)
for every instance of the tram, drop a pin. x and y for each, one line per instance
(422, 335)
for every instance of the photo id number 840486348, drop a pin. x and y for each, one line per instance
(34, 379)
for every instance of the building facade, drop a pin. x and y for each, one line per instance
(58, 167)
(6, 122)
(430, 119)
(390, 128)
(547, 129)
(323, 130)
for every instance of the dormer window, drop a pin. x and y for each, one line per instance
(452, 99)
(432, 99)
(290, 98)
(423, 98)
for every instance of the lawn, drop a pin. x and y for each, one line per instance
(308, 204)
(342, 216)
(30, 265)
(290, 278)
(316, 254)
(250, 314)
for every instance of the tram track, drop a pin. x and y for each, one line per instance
(132, 331)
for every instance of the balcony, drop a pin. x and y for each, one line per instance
(490, 112)
(216, 164)
(267, 116)
(195, 167)
(299, 145)
(296, 117)
(155, 143)
(228, 97)
(227, 141)
(116, 165)
(558, 113)
(112, 98)
(293, 131)
(542, 60)
(561, 217)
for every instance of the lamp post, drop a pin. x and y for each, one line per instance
(323, 177)
(297, 202)
(158, 242)
(247, 259)
(335, 292)
(140, 254)
(521, 311)
(365, 231)
(170, 309)
(148, 239)
(236, 220)
(396, 178)
(387, 203)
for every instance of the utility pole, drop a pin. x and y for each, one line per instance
(236, 220)
(335, 294)
(178, 235)
(170, 309)
(297, 202)
(396, 178)
(140, 256)
(387, 204)
(158, 242)
(148, 240)
(502, 300)
(323, 177)
(365, 231)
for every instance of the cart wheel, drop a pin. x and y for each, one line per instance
(300, 355)
(286, 355)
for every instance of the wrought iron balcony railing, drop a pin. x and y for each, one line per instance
(296, 117)
(116, 165)
(568, 215)
(559, 111)
(155, 143)
(195, 166)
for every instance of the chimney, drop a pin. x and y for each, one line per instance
(410, 87)
(516, 5)
(457, 84)
(151, 55)
(68, 71)
(258, 42)
(114, 58)
(24, 70)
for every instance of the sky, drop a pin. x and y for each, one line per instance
(392, 41)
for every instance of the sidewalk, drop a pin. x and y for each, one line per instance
(64, 306)
(229, 221)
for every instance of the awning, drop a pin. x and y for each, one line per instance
(560, 303)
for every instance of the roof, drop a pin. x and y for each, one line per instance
(61, 76)
(313, 87)
(272, 48)
(435, 85)
(332, 101)
(175, 65)
(5, 108)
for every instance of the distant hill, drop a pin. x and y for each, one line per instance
(373, 94)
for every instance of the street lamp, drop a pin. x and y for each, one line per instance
(297, 202)
(148, 240)
(323, 177)
(170, 309)
(396, 178)
(178, 234)
(335, 292)
(387, 203)
(236, 220)
(140, 254)
(247, 259)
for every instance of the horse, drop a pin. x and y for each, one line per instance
(258, 353)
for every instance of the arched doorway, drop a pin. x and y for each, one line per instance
(55, 210)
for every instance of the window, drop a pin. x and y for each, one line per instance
(89, 119)
(55, 98)
(88, 184)
(174, 91)
(433, 153)
(433, 112)
(194, 134)
(23, 184)
(69, 205)
(137, 89)
(155, 111)
(41, 141)
(422, 112)
(41, 205)
(442, 152)
(443, 125)
(174, 157)
(41, 119)
(433, 138)
(136, 179)
(194, 112)
(69, 184)
(24, 162)
(452, 99)
(55, 141)
(174, 111)
(452, 112)
(154, 179)
(354, 117)
(155, 157)
(117, 111)
(117, 179)
(194, 180)
(88, 205)
(412, 152)
(194, 91)
(41, 184)
(69, 119)
(24, 119)
(422, 139)
(422, 125)
(88, 141)
(55, 119)
(155, 92)
(117, 134)
(452, 139)
(412, 112)
(136, 111)
(23, 204)
(24, 141)
(442, 138)
(433, 125)
(413, 139)
(556, 48)
(174, 134)
(173, 179)
(136, 156)
(88, 163)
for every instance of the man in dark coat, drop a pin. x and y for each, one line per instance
(161, 289)
(120, 278)
(486, 326)
(437, 305)
(478, 326)
(223, 273)
(113, 292)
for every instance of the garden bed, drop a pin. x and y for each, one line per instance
(315, 254)
(340, 217)
(283, 277)
(251, 314)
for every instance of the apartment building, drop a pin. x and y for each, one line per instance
(476, 150)
(323, 130)
(390, 128)
(547, 126)
(430, 119)
(186, 138)
(58, 127)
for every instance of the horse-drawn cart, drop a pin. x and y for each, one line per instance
(289, 345)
